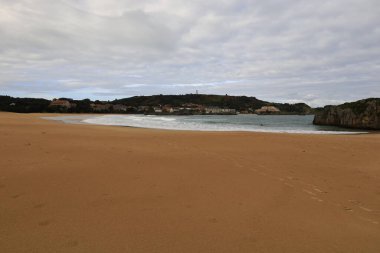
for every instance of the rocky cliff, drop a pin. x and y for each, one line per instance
(363, 114)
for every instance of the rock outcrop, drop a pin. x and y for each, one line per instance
(267, 110)
(362, 114)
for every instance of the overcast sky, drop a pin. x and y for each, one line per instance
(319, 52)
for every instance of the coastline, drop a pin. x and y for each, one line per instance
(176, 124)
(95, 188)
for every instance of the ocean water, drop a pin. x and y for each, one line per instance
(241, 122)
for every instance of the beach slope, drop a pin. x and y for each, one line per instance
(87, 188)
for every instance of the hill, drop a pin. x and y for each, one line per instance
(241, 104)
(363, 114)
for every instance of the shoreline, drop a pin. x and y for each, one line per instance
(96, 188)
(311, 132)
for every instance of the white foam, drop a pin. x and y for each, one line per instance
(198, 124)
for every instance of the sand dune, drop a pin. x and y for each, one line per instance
(86, 188)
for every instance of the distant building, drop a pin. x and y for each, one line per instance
(267, 110)
(100, 107)
(157, 109)
(167, 109)
(191, 105)
(218, 110)
(120, 108)
(60, 103)
(143, 108)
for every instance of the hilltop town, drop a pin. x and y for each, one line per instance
(189, 104)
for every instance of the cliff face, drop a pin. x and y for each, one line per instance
(267, 110)
(364, 114)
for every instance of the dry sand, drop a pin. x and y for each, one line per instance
(85, 188)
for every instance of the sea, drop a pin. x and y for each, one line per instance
(302, 124)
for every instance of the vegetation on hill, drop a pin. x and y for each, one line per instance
(360, 106)
(363, 114)
(233, 102)
(299, 108)
(25, 105)
(239, 103)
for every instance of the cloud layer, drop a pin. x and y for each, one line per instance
(319, 52)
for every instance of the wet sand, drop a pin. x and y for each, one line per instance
(86, 188)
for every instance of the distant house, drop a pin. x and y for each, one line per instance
(60, 103)
(157, 109)
(193, 108)
(167, 109)
(267, 110)
(143, 108)
(218, 110)
(120, 108)
(191, 105)
(100, 107)
(228, 111)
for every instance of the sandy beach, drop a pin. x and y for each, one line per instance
(88, 188)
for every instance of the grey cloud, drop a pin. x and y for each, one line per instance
(317, 52)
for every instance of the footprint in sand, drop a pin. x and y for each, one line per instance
(349, 209)
(369, 220)
(317, 199)
(359, 204)
(39, 205)
(365, 209)
(213, 220)
(289, 185)
(72, 243)
(309, 192)
(44, 223)
(319, 190)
